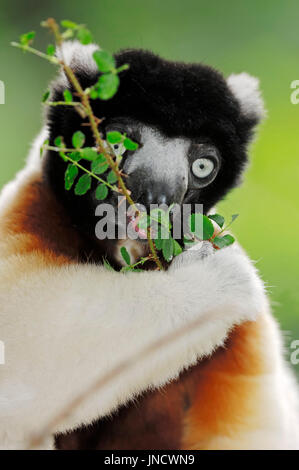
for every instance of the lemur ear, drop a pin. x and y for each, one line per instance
(246, 90)
(78, 56)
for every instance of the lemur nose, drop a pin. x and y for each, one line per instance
(157, 194)
(147, 191)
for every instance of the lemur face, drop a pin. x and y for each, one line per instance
(192, 127)
(164, 170)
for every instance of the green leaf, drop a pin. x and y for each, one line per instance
(125, 255)
(177, 249)
(107, 265)
(84, 36)
(234, 216)
(158, 242)
(99, 165)
(226, 240)
(76, 156)
(130, 145)
(201, 226)
(93, 93)
(208, 228)
(161, 217)
(68, 34)
(144, 221)
(107, 86)
(51, 50)
(126, 269)
(218, 219)
(167, 248)
(83, 185)
(68, 24)
(114, 137)
(62, 155)
(189, 242)
(27, 38)
(58, 142)
(78, 139)
(104, 60)
(111, 178)
(45, 96)
(46, 142)
(68, 97)
(101, 192)
(70, 176)
(89, 153)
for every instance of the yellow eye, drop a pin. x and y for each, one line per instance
(202, 167)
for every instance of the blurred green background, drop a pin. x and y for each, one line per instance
(261, 38)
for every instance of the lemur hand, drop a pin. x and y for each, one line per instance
(223, 277)
(197, 253)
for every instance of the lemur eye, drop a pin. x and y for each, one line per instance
(202, 167)
(118, 149)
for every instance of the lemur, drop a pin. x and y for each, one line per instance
(66, 320)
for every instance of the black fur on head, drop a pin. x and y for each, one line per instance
(191, 101)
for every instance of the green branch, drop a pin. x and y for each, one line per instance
(27, 48)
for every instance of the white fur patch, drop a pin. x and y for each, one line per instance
(65, 326)
(246, 90)
(78, 56)
(163, 157)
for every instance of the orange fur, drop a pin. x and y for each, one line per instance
(209, 404)
(227, 390)
(35, 222)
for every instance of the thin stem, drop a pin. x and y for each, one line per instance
(49, 58)
(90, 173)
(97, 136)
(224, 228)
(63, 103)
(60, 149)
(76, 105)
(51, 24)
(153, 250)
(63, 150)
(141, 261)
(122, 68)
